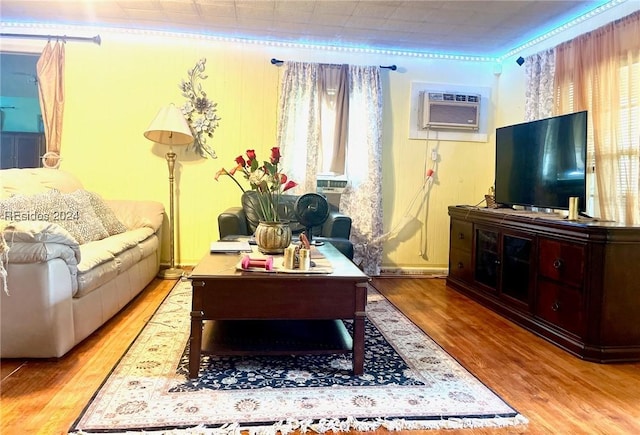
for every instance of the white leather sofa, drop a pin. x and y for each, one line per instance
(65, 272)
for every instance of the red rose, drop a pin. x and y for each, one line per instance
(275, 155)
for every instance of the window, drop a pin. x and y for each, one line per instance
(334, 120)
(624, 154)
(22, 141)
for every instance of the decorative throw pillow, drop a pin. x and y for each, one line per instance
(106, 215)
(18, 208)
(47, 206)
(87, 223)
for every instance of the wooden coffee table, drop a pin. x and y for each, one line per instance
(237, 312)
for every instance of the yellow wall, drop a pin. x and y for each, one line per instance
(113, 91)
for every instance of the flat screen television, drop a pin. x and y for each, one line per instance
(542, 163)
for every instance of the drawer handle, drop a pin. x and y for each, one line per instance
(555, 306)
(461, 236)
(460, 265)
(557, 263)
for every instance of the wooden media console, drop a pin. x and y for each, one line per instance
(574, 283)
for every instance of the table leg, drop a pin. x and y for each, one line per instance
(195, 344)
(358, 329)
(358, 344)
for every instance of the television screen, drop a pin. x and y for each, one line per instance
(542, 163)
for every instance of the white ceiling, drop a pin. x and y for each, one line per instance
(478, 28)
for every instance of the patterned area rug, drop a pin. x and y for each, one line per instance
(409, 383)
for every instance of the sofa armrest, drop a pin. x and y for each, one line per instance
(337, 225)
(233, 221)
(37, 314)
(32, 242)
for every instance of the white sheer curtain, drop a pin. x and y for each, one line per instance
(362, 200)
(539, 73)
(299, 130)
(299, 124)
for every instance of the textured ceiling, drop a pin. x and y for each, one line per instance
(479, 28)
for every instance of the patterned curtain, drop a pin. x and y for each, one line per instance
(299, 126)
(362, 199)
(50, 70)
(299, 140)
(539, 72)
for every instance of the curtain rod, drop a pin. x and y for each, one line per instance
(95, 39)
(275, 61)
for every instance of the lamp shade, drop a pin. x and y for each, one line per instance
(169, 128)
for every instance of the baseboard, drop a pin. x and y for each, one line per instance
(424, 272)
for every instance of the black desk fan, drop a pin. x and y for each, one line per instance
(311, 209)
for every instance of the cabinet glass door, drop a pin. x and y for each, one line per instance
(516, 265)
(487, 258)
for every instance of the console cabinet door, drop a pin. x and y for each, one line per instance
(517, 269)
(561, 301)
(503, 265)
(562, 261)
(561, 306)
(487, 258)
(460, 252)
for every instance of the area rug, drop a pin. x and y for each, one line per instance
(409, 383)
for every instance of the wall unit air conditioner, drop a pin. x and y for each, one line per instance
(449, 110)
(331, 189)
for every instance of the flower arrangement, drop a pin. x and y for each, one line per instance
(265, 179)
(199, 111)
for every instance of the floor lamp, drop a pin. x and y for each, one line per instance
(170, 128)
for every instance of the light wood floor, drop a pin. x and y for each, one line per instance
(558, 393)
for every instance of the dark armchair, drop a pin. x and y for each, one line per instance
(242, 221)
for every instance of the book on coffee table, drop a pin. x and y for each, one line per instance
(230, 246)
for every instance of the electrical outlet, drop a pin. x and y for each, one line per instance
(434, 155)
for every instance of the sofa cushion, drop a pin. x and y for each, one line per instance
(95, 277)
(104, 259)
(36, 180)
(138, 214)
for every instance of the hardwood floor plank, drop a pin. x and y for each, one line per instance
(46, 396)
(557, 392)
